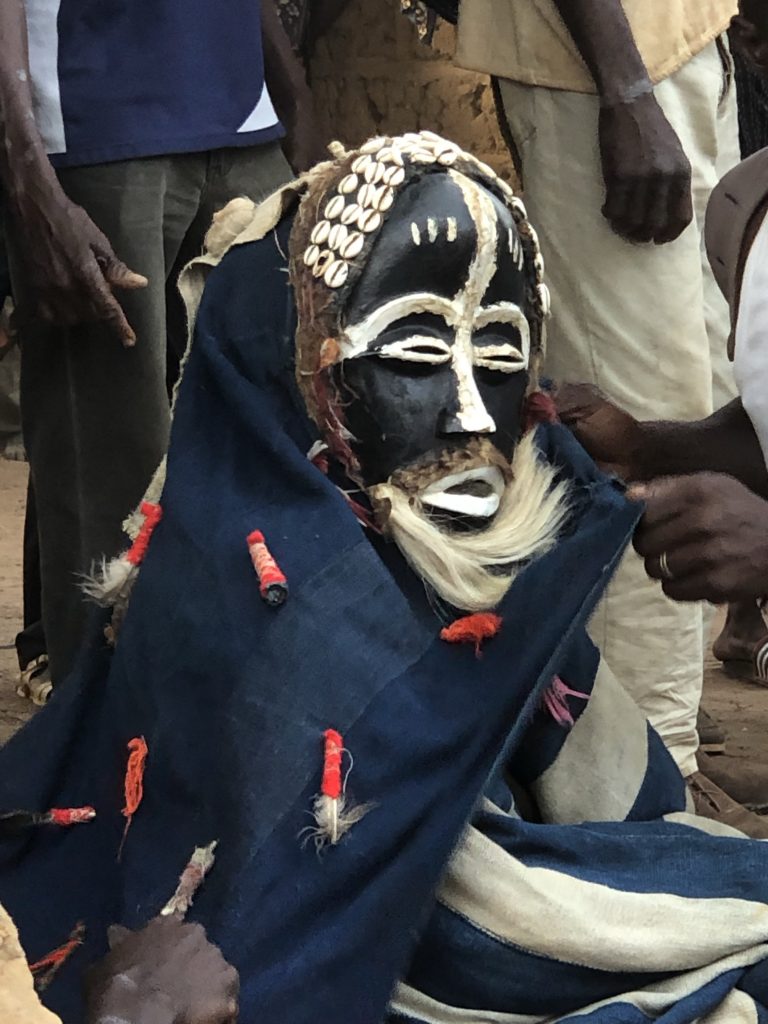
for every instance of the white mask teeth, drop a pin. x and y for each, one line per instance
(446, 493)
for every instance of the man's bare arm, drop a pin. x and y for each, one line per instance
(69, 263)
(724, 442)
(647, 175)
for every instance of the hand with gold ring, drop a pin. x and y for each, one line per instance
(704, 537)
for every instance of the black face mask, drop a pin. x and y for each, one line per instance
(437, 342)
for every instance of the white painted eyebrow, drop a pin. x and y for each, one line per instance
(358, 337)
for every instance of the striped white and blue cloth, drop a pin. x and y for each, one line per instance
(620, 907)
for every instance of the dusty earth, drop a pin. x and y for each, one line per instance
(740, 706)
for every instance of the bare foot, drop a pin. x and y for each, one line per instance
(744, 629)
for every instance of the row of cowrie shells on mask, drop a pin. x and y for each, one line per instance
(324, 263)
(338, 237)
(381, 166)
(379, 171)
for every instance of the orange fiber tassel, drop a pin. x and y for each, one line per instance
(45, 968)
(472, 629)
(134, 781)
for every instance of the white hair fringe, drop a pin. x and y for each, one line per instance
(460, 566)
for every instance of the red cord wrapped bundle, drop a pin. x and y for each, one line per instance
(273, 586)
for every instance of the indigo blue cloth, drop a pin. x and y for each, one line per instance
(233, 697)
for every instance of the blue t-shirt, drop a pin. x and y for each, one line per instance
(116, 79)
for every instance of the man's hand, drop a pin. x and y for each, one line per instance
(705, 536)
(647, 174)
(613, 438)
(167, 973)
(70, 265)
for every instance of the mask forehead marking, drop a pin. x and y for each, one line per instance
(463, 312)
(483, 264)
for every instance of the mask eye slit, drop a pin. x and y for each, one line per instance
(416, 349)
(502, 358)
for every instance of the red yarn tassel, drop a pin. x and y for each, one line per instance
(17, 822)
(45, 969)
(134, 782)
(273, 586)
(66, 816)
(472, 629)
(152, 515)
(334, 745)
(334, 814)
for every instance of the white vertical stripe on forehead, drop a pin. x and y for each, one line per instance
(483, 264)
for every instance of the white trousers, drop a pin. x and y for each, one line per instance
(646, 324)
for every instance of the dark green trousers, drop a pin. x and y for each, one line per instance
(96, 415)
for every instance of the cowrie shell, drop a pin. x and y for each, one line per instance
(390, 155)
(352, 245)
(394, 176)
(360, 163)
(335, 207)
(322, 263)
(369, 220)
(385, 200)
(369, 195)
(422, 156)
(447, 157)
(336, 274)
(320, 232)
(374, 173)
(350, 214)
(310, 255)
(337, 236)
(373, 145)
(348, 184)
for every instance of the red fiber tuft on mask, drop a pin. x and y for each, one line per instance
(540, 408)
(472, 629)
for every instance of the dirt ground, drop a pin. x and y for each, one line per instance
(738, 705)
(13, 481)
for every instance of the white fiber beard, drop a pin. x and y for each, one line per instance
(456, 564)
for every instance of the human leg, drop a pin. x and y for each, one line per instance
(95, 414)
(628, 318)
(253, 172)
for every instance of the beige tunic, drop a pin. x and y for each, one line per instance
(18, 999)
(526, 40)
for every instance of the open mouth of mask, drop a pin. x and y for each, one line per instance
(473, 493)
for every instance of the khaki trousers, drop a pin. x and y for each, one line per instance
(647, 325)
